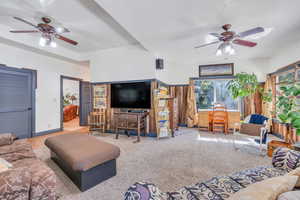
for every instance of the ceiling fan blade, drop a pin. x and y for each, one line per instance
(251, 32)
(26, 22)
(66, 30)
(216, 35)
(244, 43)
(66, 39)
(24, 31)
(207, 44)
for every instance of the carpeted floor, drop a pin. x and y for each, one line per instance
(72, 125)
(171, 163)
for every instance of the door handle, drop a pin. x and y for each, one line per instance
(29, 108)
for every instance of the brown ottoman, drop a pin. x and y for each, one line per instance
(85, 159)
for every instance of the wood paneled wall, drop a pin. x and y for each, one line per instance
(281, 129)
(180, 92)
(253, 104)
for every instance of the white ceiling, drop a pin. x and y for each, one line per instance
(89, 24)
(168, 28)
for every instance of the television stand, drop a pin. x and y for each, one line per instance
(131, 121)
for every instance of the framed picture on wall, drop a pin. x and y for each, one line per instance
(99, 91)
(226, 69)
(99, 102)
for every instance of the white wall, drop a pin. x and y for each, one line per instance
(48, 80)
(175, 73)
(120, 64)
(287, 55)
(134, 63)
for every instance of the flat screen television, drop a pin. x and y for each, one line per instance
(131, 95)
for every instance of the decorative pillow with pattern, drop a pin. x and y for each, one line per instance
(286, 159)
(144, 191)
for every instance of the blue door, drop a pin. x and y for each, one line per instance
(16, 102)
(85, 102)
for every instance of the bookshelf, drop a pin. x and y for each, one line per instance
(162, 112)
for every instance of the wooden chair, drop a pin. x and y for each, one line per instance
(219, 118)
(97, 120)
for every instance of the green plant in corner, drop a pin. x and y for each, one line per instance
(243, 85)
(288, 105)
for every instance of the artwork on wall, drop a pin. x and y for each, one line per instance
(216, 70)
(99, 91)
(100, 96)
(99, 102)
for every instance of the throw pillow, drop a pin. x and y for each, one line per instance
(296, 172)
(286, 159)
(6, 138)
(293, 195)
(268, 189)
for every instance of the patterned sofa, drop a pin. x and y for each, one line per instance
(221, 187)
(28, 178)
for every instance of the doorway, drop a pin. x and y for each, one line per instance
(70, 103)
(17, 101)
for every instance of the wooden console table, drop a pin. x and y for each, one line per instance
(130, 121)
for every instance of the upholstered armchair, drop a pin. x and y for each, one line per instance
(254, 127)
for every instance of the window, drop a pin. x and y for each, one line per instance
(286, 77)
(210, 91)
(298, 75)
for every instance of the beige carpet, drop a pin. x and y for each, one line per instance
(171, 163)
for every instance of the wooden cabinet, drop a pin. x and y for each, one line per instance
(174, 115)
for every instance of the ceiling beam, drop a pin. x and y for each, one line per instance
(97, 8)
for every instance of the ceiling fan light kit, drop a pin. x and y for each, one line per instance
(228, 38)
(225, 48)
(48, 32)
(42, 42)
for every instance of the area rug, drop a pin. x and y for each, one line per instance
(171, 163)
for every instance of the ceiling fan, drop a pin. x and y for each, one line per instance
(228, 37)
(49, 32)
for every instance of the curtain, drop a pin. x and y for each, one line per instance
(191, 114)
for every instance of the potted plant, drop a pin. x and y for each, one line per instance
(245, 85)
(66, 100)
(288, 108)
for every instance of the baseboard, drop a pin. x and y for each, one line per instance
(47, 132)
